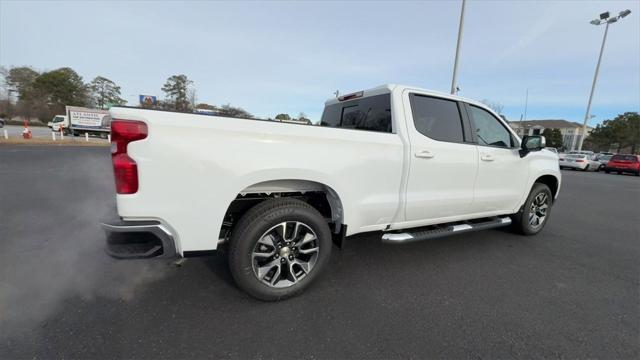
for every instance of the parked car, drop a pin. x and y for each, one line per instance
(579, 162)
(582, 152)
(623, 164)
(2, 122)
(603, 159)
(412, 163)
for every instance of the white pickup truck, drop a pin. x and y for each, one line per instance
(410, 163)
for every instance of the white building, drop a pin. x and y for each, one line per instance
(571, 131)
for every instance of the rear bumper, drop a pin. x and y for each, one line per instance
(139, 240)
(573, 165)
(621, 169)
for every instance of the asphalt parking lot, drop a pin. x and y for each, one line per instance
(570, 292)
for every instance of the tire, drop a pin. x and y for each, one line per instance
(607, 171)
(257, 248)
(522, 221)
(586, 168)
(75, 133)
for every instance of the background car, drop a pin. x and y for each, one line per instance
(579, 161)
(624, 164)
(603, 159)
(1, 122)
(583, 152)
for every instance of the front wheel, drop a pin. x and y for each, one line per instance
(278, 248)
(535, 212)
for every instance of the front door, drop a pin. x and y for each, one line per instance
(502, 173)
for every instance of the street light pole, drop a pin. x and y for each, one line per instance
(607, 20)
(455, 64)
(593, 87)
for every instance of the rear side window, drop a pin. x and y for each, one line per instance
(624, 158)
(438, 119)
(370, 113)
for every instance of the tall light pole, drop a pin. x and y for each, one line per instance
(606, 19)
(526, 104)
(455, 64)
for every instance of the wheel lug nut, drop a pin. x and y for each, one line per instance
(290, 257)
(277, 256)
(283, 260)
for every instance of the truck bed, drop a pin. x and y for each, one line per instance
(192, 166)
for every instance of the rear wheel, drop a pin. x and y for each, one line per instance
(535, 212)
(278, 248)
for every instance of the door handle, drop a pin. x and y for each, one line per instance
(486, 157)
(425, 154)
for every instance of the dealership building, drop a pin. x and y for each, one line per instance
(571, 131)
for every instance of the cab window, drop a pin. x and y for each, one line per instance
(436, 118)
(372, 113)
(489, 130)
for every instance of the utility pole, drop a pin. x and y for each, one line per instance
(455, 63)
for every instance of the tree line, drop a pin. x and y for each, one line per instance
(45, 94)
(621, 134)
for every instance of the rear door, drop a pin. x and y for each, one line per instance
(443, 159)
(502, 173)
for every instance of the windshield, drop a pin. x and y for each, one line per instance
(58, 119)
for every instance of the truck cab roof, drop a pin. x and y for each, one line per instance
(389, 88)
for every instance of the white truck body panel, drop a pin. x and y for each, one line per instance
(191, 167)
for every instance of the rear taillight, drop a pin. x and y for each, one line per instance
(579, 160)
(125, 168)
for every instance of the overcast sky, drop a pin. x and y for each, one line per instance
(271, 57)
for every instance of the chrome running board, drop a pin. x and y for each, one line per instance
(442, 230)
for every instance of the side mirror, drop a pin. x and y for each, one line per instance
(532, 143)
